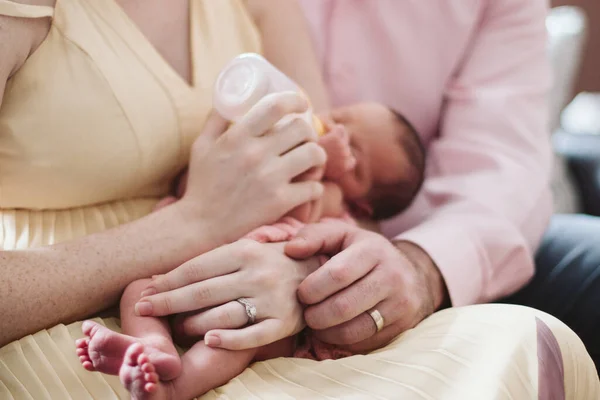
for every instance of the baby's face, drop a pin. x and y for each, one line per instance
(374, 133)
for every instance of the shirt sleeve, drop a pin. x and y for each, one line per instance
(488, 172)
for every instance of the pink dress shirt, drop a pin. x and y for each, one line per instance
(472, 76)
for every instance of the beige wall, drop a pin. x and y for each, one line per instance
(590, 73)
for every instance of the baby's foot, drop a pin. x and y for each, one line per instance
(139, 376)
(102, 350)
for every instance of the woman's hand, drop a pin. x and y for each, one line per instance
(366, 272)
(244, 177)
(260, 273)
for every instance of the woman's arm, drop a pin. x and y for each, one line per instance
(66, 282)
(287, 44)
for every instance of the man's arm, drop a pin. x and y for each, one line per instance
(487, 184)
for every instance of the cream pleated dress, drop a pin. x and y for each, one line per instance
(94, 127)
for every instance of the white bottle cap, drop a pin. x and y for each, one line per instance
(240, 85)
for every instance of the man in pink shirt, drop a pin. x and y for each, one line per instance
(472, 77)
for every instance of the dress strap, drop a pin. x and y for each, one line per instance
(12, 9)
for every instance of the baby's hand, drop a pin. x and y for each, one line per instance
(281, 231)
(340, 159)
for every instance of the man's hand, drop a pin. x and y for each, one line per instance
(366, 272)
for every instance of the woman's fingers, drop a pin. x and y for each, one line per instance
(214, 127)
(231, 315)
(349, 303)
(301, 159)
(360, 328)
(300, 193)
(288, 135)
(193, 297)
(257, 335)
(268, 111)
(215, 263)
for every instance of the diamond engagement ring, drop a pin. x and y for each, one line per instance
(378, 319)
(250, 309)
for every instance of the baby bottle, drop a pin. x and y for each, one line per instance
(247, 79)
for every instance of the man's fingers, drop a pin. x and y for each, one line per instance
(341, 271)
(208, 265)
(257, 335)
(360, 329)
(209, 293)
(326, 237)
(348, 303)
(376, 341)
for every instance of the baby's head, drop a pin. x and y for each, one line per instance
(390, 160)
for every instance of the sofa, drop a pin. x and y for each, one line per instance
(576, 176)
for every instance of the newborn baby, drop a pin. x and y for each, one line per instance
(375, 168)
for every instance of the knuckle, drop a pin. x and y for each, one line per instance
(201, 294)
(341, 307)
(368, 252)
(347, 335)
(302, 129)
(280, 199)
(276, 106)
(311, 319)
(191, 273)
(252, 156)
(190, 327)
(225, 319)
(316, 190)
(249, 249)
(167, 305)
(317, 153)
(266, 279)
(265, 182)
(304, 294)
(338, 274)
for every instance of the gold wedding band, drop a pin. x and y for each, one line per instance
(378, 319)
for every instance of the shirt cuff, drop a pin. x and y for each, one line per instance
(453, 252)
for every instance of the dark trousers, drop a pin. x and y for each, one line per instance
(567, 280)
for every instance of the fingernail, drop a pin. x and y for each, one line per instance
(148, 292)
(143, 308)
(212, 340)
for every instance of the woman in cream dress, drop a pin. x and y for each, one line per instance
(102, 103)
